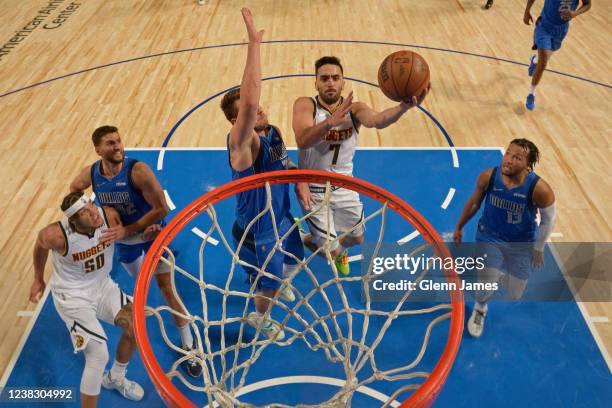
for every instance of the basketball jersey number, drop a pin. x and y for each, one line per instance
(94, 263)
(336, 149)
(514, 217)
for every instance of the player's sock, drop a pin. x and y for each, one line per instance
(482, 307)
(117, 371)
(186, 337)
(532, 89)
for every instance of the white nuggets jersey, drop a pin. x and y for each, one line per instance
(85, 260)
(336, 151)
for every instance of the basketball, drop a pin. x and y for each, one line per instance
(402, 75)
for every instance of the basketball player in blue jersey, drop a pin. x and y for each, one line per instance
(513, 194)
(129, 186)
(550, 30)
(326, 130)
(255, 147)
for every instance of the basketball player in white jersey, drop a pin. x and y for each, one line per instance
(84, 293)
(326, 131)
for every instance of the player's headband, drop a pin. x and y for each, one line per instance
(74, 208)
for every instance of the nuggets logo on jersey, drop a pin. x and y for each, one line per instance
(79, 256)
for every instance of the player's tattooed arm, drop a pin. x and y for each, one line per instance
(82, 181)
(472, 204)
(49, 238)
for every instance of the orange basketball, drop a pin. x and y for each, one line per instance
(402, 75)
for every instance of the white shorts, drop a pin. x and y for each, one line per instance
(82, 309)
(345, 212)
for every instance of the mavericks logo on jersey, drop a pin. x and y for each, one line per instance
(515, 210)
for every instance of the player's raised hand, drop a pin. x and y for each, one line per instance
(527, 17)
(537, 259)
(254, 34)
(337, 117)
(113, 234)
(416, 101)
(36, 290)
(567, 14)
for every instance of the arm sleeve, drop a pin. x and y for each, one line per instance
(547, 223)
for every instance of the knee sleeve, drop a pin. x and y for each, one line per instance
(96, 357)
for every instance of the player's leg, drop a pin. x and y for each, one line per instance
(348, 218)
(320, 222)
(115, 307)
(254, 253)
(87, 335)
(518, 260)
(491, 273)
(291, 266)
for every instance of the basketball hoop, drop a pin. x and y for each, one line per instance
(423, 396)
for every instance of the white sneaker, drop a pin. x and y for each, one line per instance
(475, 325)
(129, 389)
(202, 2)
(287, 294)
(270, 328)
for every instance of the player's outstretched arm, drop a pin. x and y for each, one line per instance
(242, 133)
(49, 238)
(82, 181)
(144, 180)
(307, 134)
(472, 204)
(544, 199)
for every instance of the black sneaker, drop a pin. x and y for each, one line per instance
(192, 366)
(489, 4)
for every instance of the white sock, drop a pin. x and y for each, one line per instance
(481, 307)
(290, 270)
(535, 58)
(117, 371)
(186, 337)
(532, 89)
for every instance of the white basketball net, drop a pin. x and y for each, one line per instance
(224, 387)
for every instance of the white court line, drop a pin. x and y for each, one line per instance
(409, 237)
(169, 201)
(25, 313)
(26, 333)
(600, 319)
(311, 379)
(455, 157)
(204, 235)
(556, 235)
(160, 159)
(448, 199)
(355, 258)
(583, 311)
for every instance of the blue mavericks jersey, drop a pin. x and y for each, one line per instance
(119, 192)
(551, 12)
(272, 156)
(509, 215)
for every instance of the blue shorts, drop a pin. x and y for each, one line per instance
(548, 36)
(514, 258)
(255, 250)
(129, 253)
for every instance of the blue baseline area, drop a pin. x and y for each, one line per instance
(531, 354)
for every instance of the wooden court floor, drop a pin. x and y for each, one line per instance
(96, 51)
